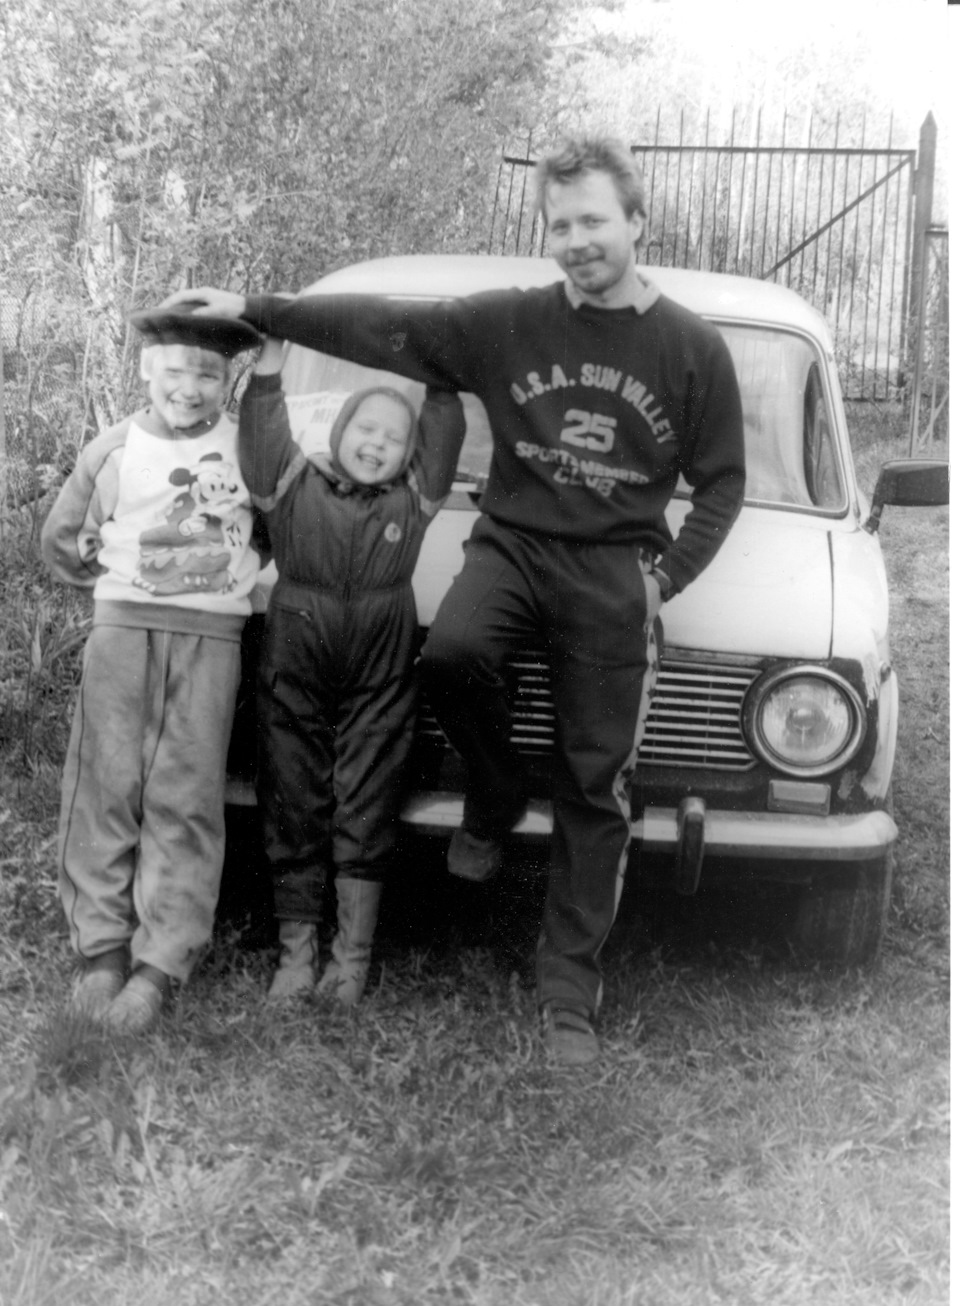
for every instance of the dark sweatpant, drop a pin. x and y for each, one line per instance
(336, 706)
(586, 604)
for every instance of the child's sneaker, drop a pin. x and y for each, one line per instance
(94, 992)
(101, 981)
(568, 1036)
(137, 1009)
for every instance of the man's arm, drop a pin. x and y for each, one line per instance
(712, 460)
(427, 342)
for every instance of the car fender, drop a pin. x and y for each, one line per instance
(877, 780)
(861, 605)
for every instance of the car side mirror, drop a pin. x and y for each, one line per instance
(909, 483)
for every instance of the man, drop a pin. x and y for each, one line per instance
(600, 391)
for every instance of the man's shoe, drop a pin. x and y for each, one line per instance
(473, 858)
(568, 1036)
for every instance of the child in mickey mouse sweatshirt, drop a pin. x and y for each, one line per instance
(155, 520)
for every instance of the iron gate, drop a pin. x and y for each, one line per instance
(833, 222)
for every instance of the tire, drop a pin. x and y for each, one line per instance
(841, 919)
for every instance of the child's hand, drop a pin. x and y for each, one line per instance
(271, 356)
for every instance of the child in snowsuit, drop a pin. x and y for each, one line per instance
(337, 690)
(156, 520)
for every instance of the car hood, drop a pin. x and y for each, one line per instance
(768, 592)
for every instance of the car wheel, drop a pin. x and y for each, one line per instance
(841, 919)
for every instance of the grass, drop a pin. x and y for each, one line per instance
(755, 1133)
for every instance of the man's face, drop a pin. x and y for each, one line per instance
(187, 385)
(374, 442)
(591, 237)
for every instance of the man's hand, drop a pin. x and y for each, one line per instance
(654, 595)
(207, 302)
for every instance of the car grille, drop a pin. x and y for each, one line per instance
(694, 720)
(695, 717)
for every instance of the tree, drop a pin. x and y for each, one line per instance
(250, 143)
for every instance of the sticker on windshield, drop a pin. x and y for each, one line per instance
(312, 417)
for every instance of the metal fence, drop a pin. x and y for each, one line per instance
(848, 226)
(834, 221)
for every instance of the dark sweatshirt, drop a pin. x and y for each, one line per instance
(595, 412)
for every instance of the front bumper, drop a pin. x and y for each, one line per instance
(864, 836)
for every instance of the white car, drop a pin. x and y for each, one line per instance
(769, 750)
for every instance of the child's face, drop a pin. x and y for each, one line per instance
(187, 385)
(374, 442)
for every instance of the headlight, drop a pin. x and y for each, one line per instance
(805, 721)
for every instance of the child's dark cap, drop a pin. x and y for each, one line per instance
(222, 335)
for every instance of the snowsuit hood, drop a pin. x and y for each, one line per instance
(347, 411)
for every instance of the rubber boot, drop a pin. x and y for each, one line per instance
(296, 971)
(346, 974)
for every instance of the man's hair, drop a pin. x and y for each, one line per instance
(580, 154)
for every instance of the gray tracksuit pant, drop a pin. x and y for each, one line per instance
(141, 820)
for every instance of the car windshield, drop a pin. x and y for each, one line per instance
(791, 446)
